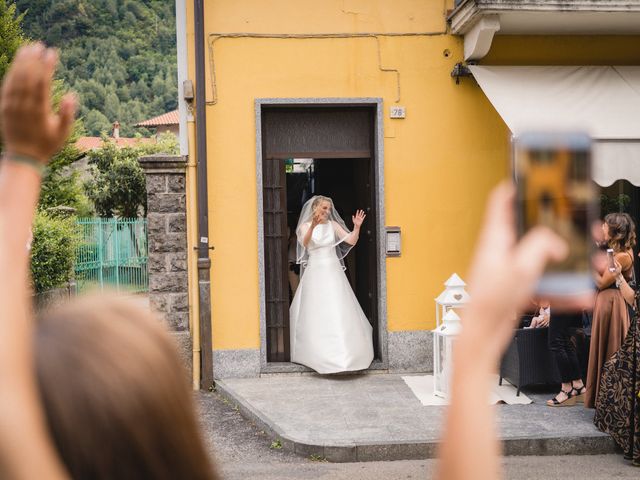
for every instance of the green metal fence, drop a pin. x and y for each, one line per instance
(112, 253)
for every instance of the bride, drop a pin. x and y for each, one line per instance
(329, 331)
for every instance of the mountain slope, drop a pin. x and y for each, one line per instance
(118, 55)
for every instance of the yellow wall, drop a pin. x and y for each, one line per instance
(440, 161)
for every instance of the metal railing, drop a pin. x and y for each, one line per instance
(112, 254)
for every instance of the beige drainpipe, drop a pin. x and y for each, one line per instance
(192, 242)
(188, 148)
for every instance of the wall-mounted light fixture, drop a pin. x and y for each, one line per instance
(460, 70)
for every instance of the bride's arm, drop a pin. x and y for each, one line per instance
(345, 236)
(351, 237)
(305, 232)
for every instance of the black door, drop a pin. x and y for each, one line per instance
(349, 182)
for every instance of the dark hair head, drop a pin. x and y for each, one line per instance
(622, 231)
(116, 395)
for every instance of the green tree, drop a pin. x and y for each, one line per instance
(95, 121)
(61, 185)
(111, 52)
(112, 106)
(11, 35)
(118, 186)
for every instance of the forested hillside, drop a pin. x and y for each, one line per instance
(118, 55)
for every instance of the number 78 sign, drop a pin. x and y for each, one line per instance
(397, 111)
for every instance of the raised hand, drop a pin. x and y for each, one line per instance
(499, 260)
(316, 219)
(31, 133)
(29, 125)
(502, 279)
(358, 218)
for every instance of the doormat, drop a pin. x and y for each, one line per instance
(422, 388)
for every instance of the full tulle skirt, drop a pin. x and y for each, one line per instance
(328, 329)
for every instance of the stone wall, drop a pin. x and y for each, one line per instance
(53, 298)
(167, 231)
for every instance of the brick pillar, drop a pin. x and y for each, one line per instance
(167, 230)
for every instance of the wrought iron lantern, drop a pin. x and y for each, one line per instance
(443, 339)
(453, 296)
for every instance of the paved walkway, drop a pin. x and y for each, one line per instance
(377, 417)
(242, 451)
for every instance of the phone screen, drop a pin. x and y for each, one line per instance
(611, 260)
(554, 189)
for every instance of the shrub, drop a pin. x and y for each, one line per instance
(52, 251)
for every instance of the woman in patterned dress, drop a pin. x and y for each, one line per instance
(618, 402)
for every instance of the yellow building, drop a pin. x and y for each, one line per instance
(358, 99)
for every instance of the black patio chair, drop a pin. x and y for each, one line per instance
(528, 360)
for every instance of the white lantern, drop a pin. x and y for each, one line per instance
(453, 296)
(443, 338)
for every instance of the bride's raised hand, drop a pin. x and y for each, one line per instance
(358, 218)
(316, 220)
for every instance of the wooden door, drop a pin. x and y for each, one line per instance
(275, 259)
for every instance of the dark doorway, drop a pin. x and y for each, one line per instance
(298, 164)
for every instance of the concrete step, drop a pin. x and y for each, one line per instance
(377, 417)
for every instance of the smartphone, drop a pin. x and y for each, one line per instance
(555, 189)
(611, 260)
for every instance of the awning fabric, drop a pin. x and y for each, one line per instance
(603, 101)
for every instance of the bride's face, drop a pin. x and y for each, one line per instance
(324, 209)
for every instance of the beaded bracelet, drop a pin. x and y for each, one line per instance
(25, 160)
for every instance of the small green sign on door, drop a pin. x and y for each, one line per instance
(288, 165)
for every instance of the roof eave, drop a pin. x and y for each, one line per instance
(465, 15)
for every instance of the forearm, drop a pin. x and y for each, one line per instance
(603, 280)
(307, 236)
(627, 292)
(19, 189)
(22, 424)
(470, 425)
(353, 237)
(26, 450)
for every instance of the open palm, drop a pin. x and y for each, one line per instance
(358, 218)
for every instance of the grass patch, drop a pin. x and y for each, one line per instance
(276, 444)
(317, 458)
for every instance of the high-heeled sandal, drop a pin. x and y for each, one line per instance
(570, 400)
(578, 393)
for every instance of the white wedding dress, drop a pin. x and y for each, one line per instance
(329, 331)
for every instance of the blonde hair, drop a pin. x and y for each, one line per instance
(318, 200)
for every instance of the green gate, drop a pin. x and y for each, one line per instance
(112, 253)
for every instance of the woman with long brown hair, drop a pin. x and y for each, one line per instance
(610, 314)
(115, 394)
